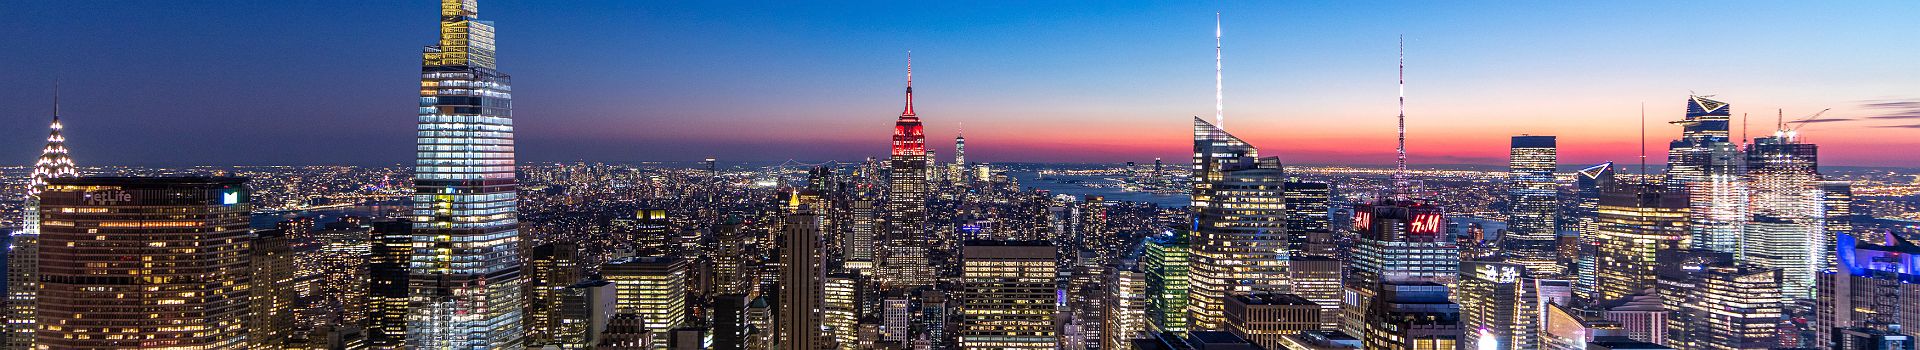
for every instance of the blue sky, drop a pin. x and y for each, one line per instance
(305, 82)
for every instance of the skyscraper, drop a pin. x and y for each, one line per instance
(800, 283)
(1706, 164)
(1126, 313)
(551, 269)
(1400, 241)
(191, 237)
(1412, 316)
(1785, 200)
(1588, 184)
(905, 261)
(957, 172)
(652, 288)
(1166, 265)
(465, 284)
(1008, 295)
(1309, 227)
(271, 293)
(1715, 303)
(1239, 242)
(1533, 205)
(387, 293)
(1501, 304)
(1635, 224)
(1877, 287)
(23, 281)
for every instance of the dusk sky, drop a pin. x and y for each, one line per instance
(334, 82)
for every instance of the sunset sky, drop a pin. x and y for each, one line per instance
(333, 82)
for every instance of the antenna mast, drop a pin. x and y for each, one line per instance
(1643, 142)
(1400, 164)
(1219, 95)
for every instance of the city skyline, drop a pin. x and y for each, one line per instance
(682, 82)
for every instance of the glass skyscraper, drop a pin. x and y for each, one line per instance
(465, 281)
(1785, 199)
(1166, 276)
(1533, 202)
(1706, 164)
(1239, 237)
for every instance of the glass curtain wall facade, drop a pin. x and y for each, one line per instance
(465, 271)
(1239, 240)
(1706, 164)
(1533, 205)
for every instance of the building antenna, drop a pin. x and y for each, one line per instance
(1219, 94)
(1400, 164)
(56, 99)
(1743, 127)
(1643, 141)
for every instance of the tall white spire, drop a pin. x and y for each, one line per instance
(1400, 165)
(1219, 96)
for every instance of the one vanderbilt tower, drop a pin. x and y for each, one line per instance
(464, 276)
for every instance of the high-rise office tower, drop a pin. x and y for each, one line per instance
(1166, 265)
(1008, 294)
(551, 269)
(1588, 183)
(194, 229)
(1501, 304)
(1318, 279)
(1264, 317)
(863, 226)
(1706, 164)
(652, 288)
(1126, 313)
(271, 296)
(1877, 287)
(730, 269)
(841, 309)
(1635, 224)
(1412, 316)
(582, 312)
(1786, 202)
(1240, 241)
(957, 172)
(23, 253)
(1401, 241)
(1533, 205)
(801, 275)
(905, 261)
(387, 292)
(1715, 303)
(466, 277)
(1836, 208)
(23, 285)
(1309, 226)
(23, 282)
(730, 326)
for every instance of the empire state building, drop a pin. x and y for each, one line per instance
(905, 261)
(464, 283)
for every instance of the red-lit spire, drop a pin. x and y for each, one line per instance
(908, 112)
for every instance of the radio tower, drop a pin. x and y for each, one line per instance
(1400, 165)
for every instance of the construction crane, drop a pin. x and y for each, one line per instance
(1795, 125)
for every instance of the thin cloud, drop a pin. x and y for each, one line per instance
(1893, 109)
(1833, 120)
(1905, 115)
(1890, 104)
(1907, 126)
